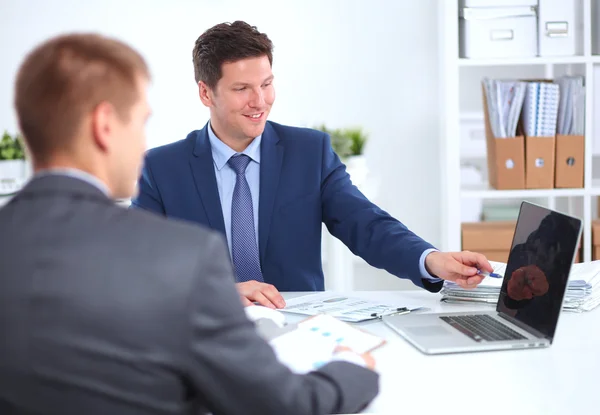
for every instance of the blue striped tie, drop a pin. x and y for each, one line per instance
(244, 250)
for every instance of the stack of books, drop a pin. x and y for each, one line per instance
(583, 290)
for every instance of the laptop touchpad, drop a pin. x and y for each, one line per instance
(428, 331)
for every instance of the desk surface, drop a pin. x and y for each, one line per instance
(562, 379)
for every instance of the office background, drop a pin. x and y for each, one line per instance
(344, 63)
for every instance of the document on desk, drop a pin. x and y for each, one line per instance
(343, 307)
(312, 343)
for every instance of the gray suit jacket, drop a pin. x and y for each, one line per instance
(105, 310)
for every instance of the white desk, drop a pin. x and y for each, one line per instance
(562, 379)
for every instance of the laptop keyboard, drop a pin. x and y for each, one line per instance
(482, 327)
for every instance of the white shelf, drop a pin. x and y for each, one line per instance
(537, 60)
(488, 193)
(455, 197)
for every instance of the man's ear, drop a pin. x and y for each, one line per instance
(102, 124)
(206, 94)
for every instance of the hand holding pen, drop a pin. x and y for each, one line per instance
(489, 274)
(459, 267)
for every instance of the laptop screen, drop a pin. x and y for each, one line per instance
(538, 267)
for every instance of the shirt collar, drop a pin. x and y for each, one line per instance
(221, 152)
(77, 174)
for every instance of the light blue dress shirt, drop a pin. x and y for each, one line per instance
(226, 177)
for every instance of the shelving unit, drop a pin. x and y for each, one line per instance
(538, 60)
(454, 196)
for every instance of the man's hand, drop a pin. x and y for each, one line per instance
(260, 292)
(367, 357)
(460, 267)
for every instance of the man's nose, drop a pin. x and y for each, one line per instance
(258, 99)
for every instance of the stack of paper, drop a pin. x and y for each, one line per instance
(571, 108)
(583, 291)
(504, 101)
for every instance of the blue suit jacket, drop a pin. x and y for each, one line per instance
(302, 184)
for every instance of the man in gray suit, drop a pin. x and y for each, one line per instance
(105, 310)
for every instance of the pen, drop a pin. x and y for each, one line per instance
(489, 274)
(398, 310)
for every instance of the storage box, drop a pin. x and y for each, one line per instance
(557, 30)
(539, 162)
(540, 153)
(505, 157)
(488, 236)
(494, 239)
(498, 32)
(569, 161)
(498, 256)
(596, 239)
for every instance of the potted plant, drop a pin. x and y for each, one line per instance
(355, 161)
(12, 157)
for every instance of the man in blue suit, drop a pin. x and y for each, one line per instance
(268, 187)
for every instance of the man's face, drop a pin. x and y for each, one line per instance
(242, 99)
(130, 145)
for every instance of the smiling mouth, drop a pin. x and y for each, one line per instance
(255, 117)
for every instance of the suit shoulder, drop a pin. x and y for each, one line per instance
(286, 132)
(148, 227)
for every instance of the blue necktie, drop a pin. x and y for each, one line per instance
(244, 251)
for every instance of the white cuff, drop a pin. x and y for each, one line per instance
(424, 274)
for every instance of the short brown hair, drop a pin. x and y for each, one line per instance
(227, 42)
(65, 78)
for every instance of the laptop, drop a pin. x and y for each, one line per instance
(531, 297)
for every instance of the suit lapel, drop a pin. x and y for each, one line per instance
(271, 158)
(203, 171)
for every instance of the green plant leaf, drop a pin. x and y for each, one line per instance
(346, 142)
(11, 148)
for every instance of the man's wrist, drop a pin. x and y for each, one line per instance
(425, 273)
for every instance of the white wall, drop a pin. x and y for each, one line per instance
(343, 62)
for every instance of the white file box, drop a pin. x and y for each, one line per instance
(557, 29)
(497, 3)
(498, 32)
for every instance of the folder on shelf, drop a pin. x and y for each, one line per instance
(570, 150)
(505, 155)
(570, 141)
(540, 113)
(571, 109)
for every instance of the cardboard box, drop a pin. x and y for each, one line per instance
(596, 232)
(505, 157)
(595, 239)
(488, 236)
(539, 162)
(494, 239)
(570, 158)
